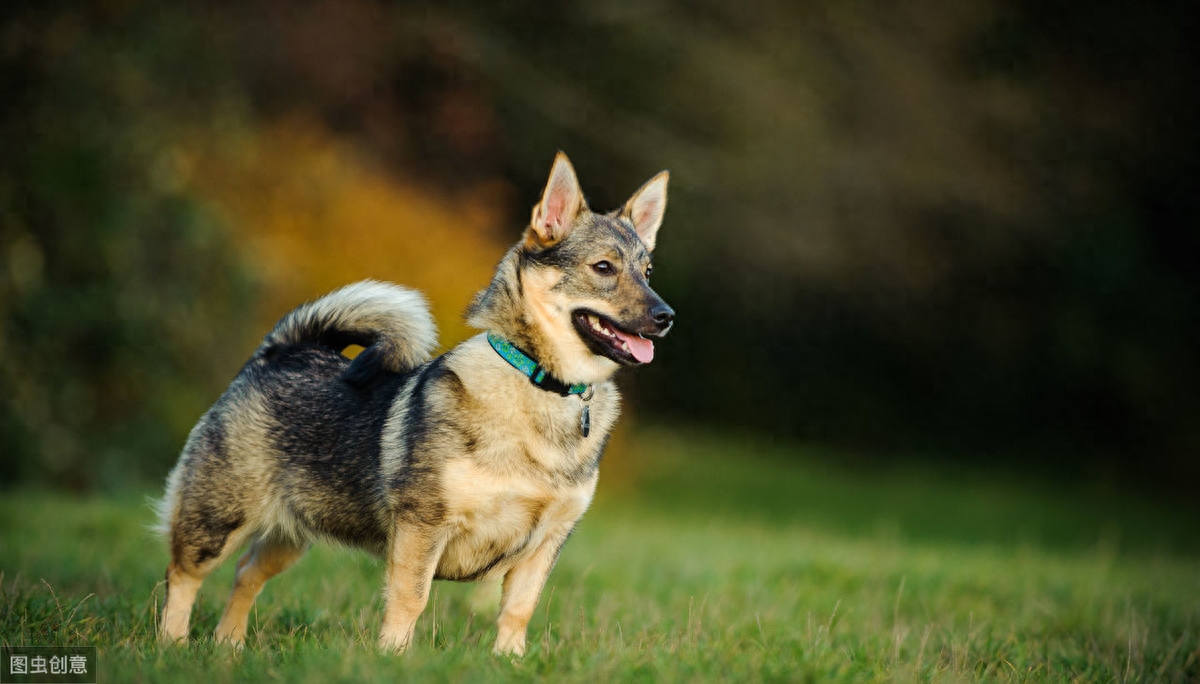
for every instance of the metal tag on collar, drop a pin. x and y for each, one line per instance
(585, 417)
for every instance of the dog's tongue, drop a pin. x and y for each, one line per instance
(641, 348)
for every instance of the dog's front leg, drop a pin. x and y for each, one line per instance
(522, 587)
(411, 565)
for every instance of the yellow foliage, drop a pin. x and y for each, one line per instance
(311, 213)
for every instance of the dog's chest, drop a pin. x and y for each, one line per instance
(497, 519)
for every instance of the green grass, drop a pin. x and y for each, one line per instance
(704, 559)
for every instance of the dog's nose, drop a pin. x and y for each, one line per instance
(662, 315)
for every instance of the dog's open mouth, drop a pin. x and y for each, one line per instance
(606, 339)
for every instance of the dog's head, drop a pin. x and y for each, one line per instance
(583, 280)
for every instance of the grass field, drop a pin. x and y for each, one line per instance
(708, 559)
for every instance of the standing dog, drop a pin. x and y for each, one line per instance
(473, 465)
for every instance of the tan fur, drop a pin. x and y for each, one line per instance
(549, 312)
(181, 594)
(496, 500)
(265, 559)
(522, 587)
(412, 562)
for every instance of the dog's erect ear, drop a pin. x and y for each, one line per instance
(646, 208)
(561, 202)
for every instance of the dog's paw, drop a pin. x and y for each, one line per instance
(170, 640)
(394, 643)
(513, 646)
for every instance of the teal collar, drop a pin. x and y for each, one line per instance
(539, 376)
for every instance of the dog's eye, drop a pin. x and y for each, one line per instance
(649, 270)
(603, 268)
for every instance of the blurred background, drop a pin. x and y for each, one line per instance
(959, 234)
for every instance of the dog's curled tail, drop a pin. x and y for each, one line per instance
(393, 323)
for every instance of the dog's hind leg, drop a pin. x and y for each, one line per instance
(202, 537)
(182, 586)
(266, 558)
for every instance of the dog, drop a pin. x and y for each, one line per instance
(475, 465)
